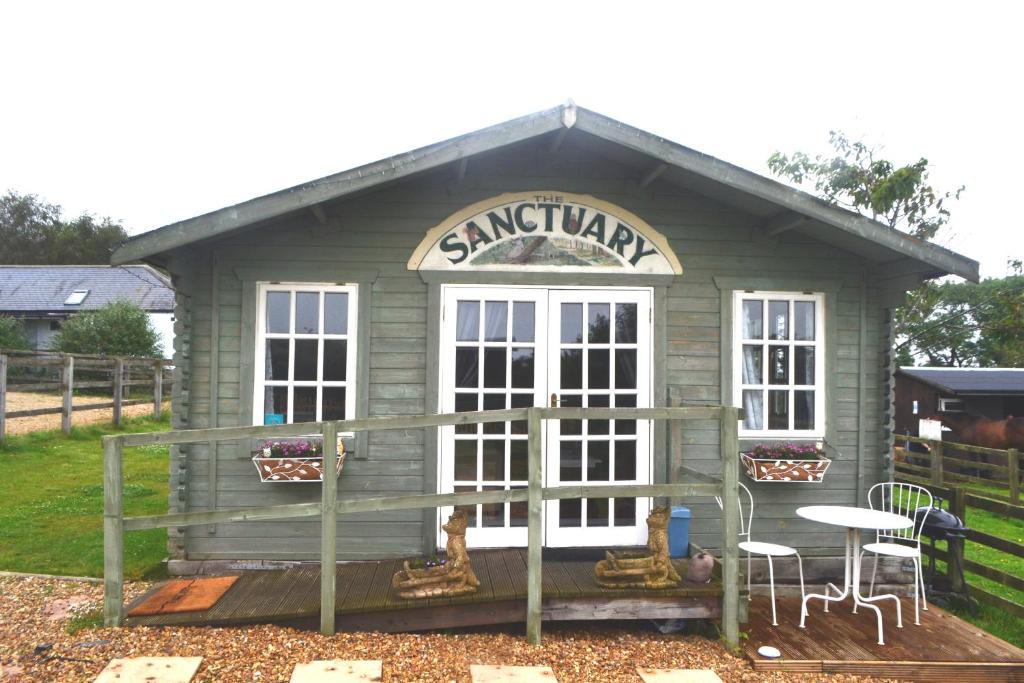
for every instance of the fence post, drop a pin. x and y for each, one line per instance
(3, 398)
(1012, 468)
(118, 388)
(729, 437)
(936, 462)
(67, 381)
(328, 527)
(958, 506)
(113, 533)
(158, 389)
(535, 504)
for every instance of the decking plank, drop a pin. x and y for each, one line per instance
(497, 570)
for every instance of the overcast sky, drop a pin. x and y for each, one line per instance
(151, 113)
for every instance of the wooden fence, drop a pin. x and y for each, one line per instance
(329, 507)
(124, 373)
(940, 460)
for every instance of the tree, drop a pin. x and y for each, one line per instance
(118, 329)
(899, 196)
(33, 232)
(12, 333)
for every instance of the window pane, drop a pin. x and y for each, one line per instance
(517, 512)
(521, 401)
(333, 407)
(493, 514)
(467, 326)
(466, 403)
(493, 460)
(305, 360)
(753, 409)
(570, 512)
(494, 368)
(625, 460)
(778, 410)
(469, 509)
(522, 368)
(336, 313)
(465, 460)
(778, 320)
(778, 365)
(277, 359)
(467, 366)
(597, 426)
(572, 369)
(597, 512)
(571, 401)
(275, 405)
(494, 402)
(598, 461)
(522, 321)
(278, 311)
(625, 323)
(803, 365)
(598, 323)
(625, 368)
(570, 460)
(335, 354)
(598, 369)
(307, 312)
(803, 320)
(753, 312)
(625, 512)
(518, 468)
(572, 323)
(625, 401)
(495, 320)
(803, 410)
(304, 408)
(752, 364)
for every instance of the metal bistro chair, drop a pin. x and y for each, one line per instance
(901, 499)
(769, 550)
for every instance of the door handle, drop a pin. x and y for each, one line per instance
(554, 400)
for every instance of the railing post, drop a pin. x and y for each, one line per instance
(113, 532)
(1012, 465)
(158, 389)
(958, 506)
(936, 463)
(118, 388)
(67, 380)
(535, 504)
(729, 436)
(3, 398)
(328, 527)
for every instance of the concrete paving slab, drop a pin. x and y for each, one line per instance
(150, 670)
(678, 675)
(338, 671)
(480, 673)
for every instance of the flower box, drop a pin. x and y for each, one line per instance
(281, 462)
(786, 462)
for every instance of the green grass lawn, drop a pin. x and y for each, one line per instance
(51, 501)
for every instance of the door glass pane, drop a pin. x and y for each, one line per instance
(466, 403)
(625, 323)
(517, 511)
(625, 460)
(778, 409)
(778, 368)
(275, 404)
(598, 369)
(493, 460)
(465, 460)
(598, 461)
(518, 465)
(336, 313)
(494, 368)
(495, 320)
(625, 511)
(571, 401)
(598, 323)
(467, 325)
(778, 320)
(307, 312)
(803, 320)
(277, 359)
(597, 426)
(570, 512)
(753, 408)
(803, 410)
(597, 512)
(752, 364)
(492, 514)
(572, 369)
(752, 319)
(305, 360)
(522, 368)
(467, 362)
(278, 311)
(523, 321)
(521, 401)
(572, 323)
(625, 368)
(570, 458)
(469, 509)
(335, 351)
(304, 408)
(625, 401)
(494, 402)
(803, 365)
(333, 407)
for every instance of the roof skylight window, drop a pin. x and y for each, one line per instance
(76, 297)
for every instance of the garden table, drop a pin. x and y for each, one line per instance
(854, 519)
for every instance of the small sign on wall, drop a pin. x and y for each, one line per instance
(929, 429)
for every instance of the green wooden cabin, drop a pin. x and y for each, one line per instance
(560, 258)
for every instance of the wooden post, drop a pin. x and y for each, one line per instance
(113, 533)
(1012, 465)
(958, 506)
(3, 398)
(158, 389)
(118, 388)
(328, 527)
(535, 505)
(936, 462)
(730, 445)
(67, 381)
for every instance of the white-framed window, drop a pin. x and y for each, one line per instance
(779, 363)
(951, 405)
(305, 353)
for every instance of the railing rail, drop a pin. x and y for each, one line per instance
(115, 524)
(1009, 475)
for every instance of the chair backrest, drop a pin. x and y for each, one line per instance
(745, 520)
(901, 499)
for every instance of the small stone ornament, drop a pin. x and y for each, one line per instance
(651, 570)
(454, 577)
(700, 568)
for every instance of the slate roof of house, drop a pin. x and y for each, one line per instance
(45, 289)
(971, 380)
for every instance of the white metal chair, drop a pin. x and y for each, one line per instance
(769, 550)
(901, 499)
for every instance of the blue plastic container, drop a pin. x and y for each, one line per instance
(679, 532)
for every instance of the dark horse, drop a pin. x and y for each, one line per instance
(982, 431)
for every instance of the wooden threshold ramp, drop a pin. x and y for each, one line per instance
(365, 600)
(942, 648)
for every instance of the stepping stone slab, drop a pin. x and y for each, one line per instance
(338, 671)
(480, 673)
(678, 675)
(150, 670)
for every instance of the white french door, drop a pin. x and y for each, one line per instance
(512, 347)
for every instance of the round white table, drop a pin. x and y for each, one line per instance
(855, 520)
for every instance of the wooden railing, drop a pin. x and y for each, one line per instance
(939, 461)
(124, 373)
(329, 507)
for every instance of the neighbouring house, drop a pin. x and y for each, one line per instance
(43, 297)
(563, 257)
(983, 392)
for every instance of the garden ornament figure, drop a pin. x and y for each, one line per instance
(652, 570)
(454, 577)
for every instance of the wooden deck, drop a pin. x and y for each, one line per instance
(942, 648)
(365, 599)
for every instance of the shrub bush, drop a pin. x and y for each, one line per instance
(118, 329)
(12, 333)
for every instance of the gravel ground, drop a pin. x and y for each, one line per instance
(24, 400)
(35, 612)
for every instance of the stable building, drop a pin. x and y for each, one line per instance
(562, 258)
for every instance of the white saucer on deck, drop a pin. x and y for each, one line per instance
(769, 652)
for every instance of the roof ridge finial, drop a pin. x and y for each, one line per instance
(569, 113)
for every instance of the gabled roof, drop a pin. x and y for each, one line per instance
(46, 289)
(782, 207)
(968, 381)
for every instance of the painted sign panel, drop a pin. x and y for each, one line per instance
(545, 231)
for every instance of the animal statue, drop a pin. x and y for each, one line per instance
(652, 570)
(454, 577)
